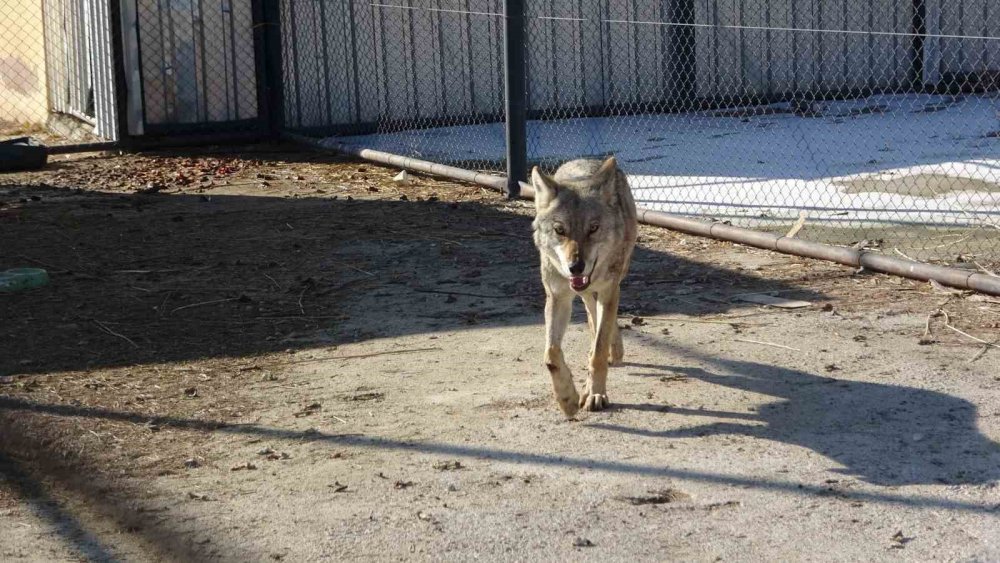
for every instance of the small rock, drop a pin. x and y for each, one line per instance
(899, 540)
(192, 463)
(403, 178)
(308, 410)
(448, 465)
(582, 542)
(243, 467)
(198, 496)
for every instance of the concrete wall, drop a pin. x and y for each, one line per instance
(23, 98)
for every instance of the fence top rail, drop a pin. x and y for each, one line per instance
(697, 25)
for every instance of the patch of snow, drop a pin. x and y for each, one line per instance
(767, 163)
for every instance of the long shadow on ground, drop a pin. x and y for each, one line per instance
(883, 434)
(139, 279)
(499, 454)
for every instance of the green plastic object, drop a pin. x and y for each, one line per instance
(18, 279)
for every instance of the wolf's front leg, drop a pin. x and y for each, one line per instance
(617, 353)
(596, 396)
(617, 346)
(557, 312)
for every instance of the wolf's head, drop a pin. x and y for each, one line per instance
(576, 217)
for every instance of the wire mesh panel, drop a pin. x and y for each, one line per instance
(874, 120)
(422, 78)
(56, 70)
(198, 63)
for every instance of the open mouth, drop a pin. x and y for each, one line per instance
(579, 283)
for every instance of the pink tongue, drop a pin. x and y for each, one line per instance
(578, 281)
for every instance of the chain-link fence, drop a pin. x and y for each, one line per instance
(872, 120)
(56, 70)
(69, 68)
(198, 65)
(866, 119)
(422, 78)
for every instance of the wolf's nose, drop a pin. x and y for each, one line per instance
(576, 268)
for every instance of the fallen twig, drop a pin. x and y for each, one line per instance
(699, 321)
(52, 269)
(985, 270)
(798, 225)
(273, 281)
(767, 344)
(898, 251)
(355, 269)
(927, 337)
(985, 349)
(947, 323)
(214, 302)
(372, 355)
(105, 328)
(466, 294)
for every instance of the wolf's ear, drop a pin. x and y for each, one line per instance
(606, 177)
(545, 189)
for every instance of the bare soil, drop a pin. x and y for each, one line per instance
(268, 354)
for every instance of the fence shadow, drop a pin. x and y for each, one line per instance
(882, 434)
(491, 453)
(139, 279)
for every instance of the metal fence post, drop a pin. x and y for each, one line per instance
(119, 74)
(515, 96)
(269, 68)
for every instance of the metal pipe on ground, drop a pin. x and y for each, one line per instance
(407, 163)
(952, 277)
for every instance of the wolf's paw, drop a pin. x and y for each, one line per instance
(569, 404)
(594, 402)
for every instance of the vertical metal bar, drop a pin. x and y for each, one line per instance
(355, 55)
(294, 58)
(470, 61)
(514, 90)
(872, 82)
(683, 49)
(817, 58)
(919, 30)
(233, 61)
(270, 78)
(554, 58)
(411, 15)
(326, 63)
(202, 61)
(443, 96)
(769, 58)
(174, 76)
(846, 50)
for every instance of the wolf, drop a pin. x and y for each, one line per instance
(585, 230)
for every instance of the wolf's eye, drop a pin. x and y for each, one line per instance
(594, 227)
(560, 230)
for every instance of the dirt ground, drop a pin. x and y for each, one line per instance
(268, 354)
